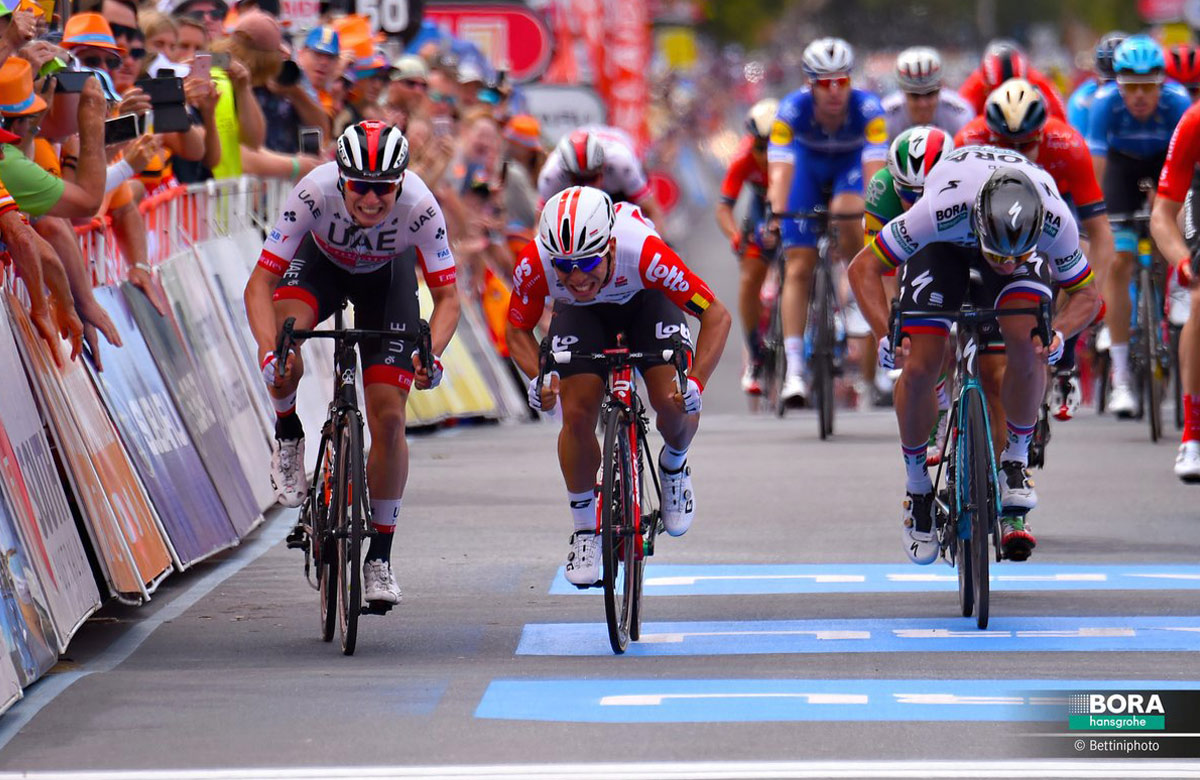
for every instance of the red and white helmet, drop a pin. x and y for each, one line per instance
(581, 153)
(372, 150)
(576, 223)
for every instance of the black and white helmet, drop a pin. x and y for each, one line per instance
(581, 153)
(1008, 213)
(372, 150)
(576, 223)
(827, 57)
(919, 70)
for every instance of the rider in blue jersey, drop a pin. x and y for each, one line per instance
(1079, 105)
(827, 137)
(1129, 130)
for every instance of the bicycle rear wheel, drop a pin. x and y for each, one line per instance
(324, 546)
(1153, 380)
(983, 504)
(618, 556)
(349, 532)
(1176, 377)
(823, 347)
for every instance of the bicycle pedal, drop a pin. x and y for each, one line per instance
(377, 608)
(297, 540)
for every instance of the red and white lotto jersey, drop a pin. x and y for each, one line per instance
(624, 178)
(643, 262)
(317, 206)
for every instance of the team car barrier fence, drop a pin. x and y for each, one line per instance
(110, 480)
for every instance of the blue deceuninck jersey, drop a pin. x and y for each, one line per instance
(1112, 127)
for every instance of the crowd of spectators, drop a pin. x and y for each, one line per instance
(258, 98)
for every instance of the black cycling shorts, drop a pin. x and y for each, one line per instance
(384, 299)
(939, 278)
(648, 320)
(1123, 175)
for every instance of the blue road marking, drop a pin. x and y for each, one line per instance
(929, 635)
(726, 701)
(755, 579)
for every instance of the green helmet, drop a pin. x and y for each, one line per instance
(914, 153)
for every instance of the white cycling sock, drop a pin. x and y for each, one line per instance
(914, 465)
(794, 347)
(672, 459)
(384, 513)
(1017, 447)
(583, 510)
(1120, 363)
(284, 406)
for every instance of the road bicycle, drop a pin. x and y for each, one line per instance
(967, 504)
(1149, 348)
(335, 516)
(629, 515)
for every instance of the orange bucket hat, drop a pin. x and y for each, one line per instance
(524, 130)
(89, 30)
(17, 97)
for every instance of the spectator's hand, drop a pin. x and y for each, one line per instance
(70, 327)
(141, 151)
(144, 281)
(238, 74)
(135, 101)
(92, 109)
(96, 319)
(38, 53)
(21, 29)
(201, 94)
(43, 323)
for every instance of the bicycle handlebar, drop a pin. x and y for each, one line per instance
(351, 336)
(972, 314)
(679, 355)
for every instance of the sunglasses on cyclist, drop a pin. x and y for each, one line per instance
(362, 187)
(568, 264)
(830, 83)
(215, 14)
(1006, 260)
(909, 195)
(1138, 86)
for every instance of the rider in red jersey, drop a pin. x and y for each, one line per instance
(1001, 62)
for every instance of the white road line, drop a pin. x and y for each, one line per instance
(44, 691)
(725, 770)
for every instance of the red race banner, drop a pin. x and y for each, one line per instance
(512, 37)
(626, 61)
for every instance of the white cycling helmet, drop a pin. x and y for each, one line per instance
(581, 153)
(576, 223)
(827, 57)
(919, 70)
(761, 116)
(914, 153)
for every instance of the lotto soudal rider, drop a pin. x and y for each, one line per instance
(608, 271)
(358, 229)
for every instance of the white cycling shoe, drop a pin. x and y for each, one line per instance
(1016, 487)
(287, 472)
(583, 562)
(920, 535)
(1122, 402)
(678, 501)
(1187, 462)
(379, 584)
(795, 389)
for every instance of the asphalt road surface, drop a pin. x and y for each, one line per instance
(786, 626)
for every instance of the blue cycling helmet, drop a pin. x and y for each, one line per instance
(1139, 55)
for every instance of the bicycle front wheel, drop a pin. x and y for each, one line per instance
(983, 504)
(1153, 379)
(618, 556)
(349, 494)
(823, 339)
(324, 544)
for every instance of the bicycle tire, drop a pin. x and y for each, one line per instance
(960, 547)
(615, 497)
(1104, 379)
(823, 296)
(323, 544)
(1152, 375)
(983, 504)
(650, 505)
(1176, 377)
(349, 537)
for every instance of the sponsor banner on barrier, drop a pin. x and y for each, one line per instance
(175, 478)
(560, 108)
(35, 494)
(122, 525)
(227, 264)
(24, 614)
(242, 453)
